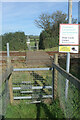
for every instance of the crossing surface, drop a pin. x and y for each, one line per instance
(38, 58)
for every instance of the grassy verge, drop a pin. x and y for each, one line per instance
(42, 110)
(52, 49)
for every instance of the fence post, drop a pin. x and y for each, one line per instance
(8, 57)
(53, 84)
(6, 92)
(55, 76)
(10, 89)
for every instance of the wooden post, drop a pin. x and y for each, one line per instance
(55, 76)
(10, 89)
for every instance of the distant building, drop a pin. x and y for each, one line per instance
(28, 40)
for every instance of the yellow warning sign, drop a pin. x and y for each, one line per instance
(64, 48)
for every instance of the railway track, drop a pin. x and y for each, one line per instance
(23, 55)
(17, 53)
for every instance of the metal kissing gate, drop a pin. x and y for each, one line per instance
(32, 84)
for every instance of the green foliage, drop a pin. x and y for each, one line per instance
(16, 40)
(35, 111)
(49, 37)
(47, 41)
(43, 40)
(32, 37)
(21, 110)
(52, 49)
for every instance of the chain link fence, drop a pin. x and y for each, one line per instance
(4, 91)
(68, 90)
(4, 97)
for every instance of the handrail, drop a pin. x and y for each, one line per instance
(68, 76)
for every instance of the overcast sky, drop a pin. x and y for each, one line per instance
(20, 16)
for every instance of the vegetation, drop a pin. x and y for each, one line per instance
(33, 40)
(74, 65)
(16, 40)
(50, 24)
(52, 49)
(33, 37)
(42, 110)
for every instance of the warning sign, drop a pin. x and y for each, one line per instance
(69, 34)
(64, 48)
(71, 49)
(69, 38)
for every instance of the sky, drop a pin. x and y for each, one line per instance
(20, 16)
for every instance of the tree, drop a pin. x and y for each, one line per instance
(47, 22)
(50, 25)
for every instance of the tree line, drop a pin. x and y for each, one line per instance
(17, 41)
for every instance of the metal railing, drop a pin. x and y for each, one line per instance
(32, 84)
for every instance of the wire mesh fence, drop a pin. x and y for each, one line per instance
(32, 86)
(71, 103)
(4, 91)
(4, 97)
(0, 101)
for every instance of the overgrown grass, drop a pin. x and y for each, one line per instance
(42, 110)
(52, 49)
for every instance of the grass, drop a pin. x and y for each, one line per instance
(42, 110)
(52, 49)
(32, 43)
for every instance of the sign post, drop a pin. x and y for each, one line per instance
(68, 40)
(68, 54)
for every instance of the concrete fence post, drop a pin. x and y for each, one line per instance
(10, 79)
(8, 57)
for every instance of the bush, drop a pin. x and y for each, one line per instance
(16, 40)
(46, 41)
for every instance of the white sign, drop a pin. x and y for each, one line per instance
(69, 34)
(71, 49)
